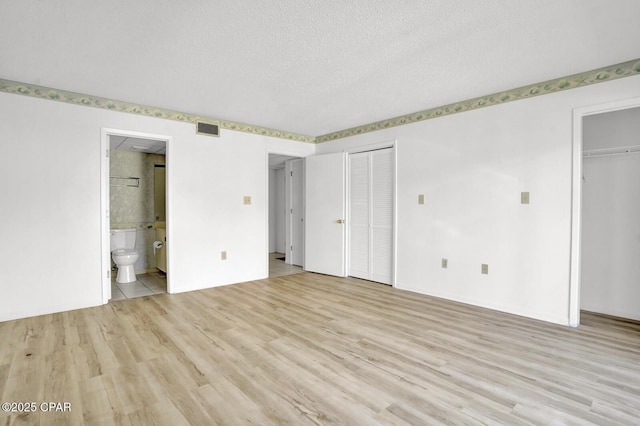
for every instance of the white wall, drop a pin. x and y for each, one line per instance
(471, 167)
(50, 203)
(610, 277)
(276, 211)
(611, 130)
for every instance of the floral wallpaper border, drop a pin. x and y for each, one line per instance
(600, 75)
(612, 72)
(42, 92)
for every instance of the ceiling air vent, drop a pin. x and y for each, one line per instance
(207, 129)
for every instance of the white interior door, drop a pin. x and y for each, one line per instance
(371, 215)
(359, 215)
(105, 217)
(296, 249)
(280, 212)
(382, 183)
(325, 214)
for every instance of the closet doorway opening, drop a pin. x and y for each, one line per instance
(135, 195)
(605, 243)
(286, 215)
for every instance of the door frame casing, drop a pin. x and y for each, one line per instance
(576, 197)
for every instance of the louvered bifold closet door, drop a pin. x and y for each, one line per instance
(371, 215)
(382, 216)
(359, 215)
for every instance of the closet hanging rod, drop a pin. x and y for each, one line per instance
(603, 152)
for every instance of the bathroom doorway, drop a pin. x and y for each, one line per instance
(135, 197)
(285, 214)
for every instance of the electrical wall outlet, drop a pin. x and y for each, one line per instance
(445, 263)
(421, 199)
(524, 198)
(484, 269)
(223, 255)
(247, 199)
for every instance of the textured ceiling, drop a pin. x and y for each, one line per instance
(306, 66)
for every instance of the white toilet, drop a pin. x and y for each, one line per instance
(123, 242)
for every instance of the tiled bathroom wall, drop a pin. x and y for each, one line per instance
(133, 207)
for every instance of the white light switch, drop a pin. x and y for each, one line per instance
(421, 199)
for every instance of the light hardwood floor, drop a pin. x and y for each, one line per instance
(310, 349)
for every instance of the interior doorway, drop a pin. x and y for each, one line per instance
(286, 214)
(128, 192)
(604, 238)
(610, 270)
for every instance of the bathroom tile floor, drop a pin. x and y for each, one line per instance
(156, 282)
(145, 285)
(278, 267)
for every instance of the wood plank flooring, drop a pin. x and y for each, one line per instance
(310, 349)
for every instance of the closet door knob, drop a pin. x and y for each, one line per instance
(340, 221)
